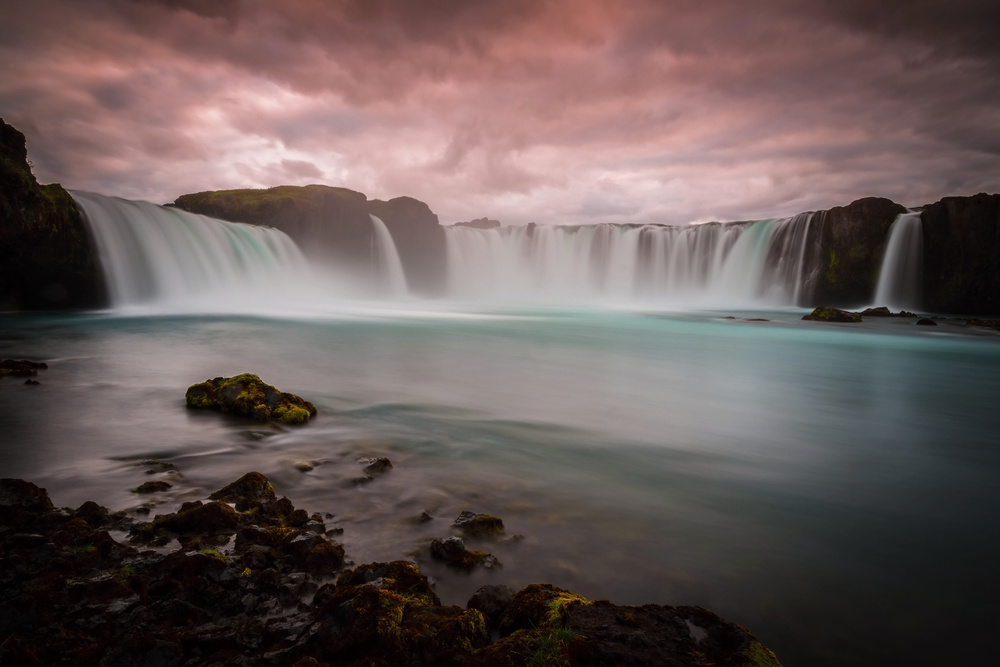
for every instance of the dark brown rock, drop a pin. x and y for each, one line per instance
(926, 321)
(479, 525)
(452, 552)
(853, 242)
(20, 368)
(47, 258)
(962, 255)
(247, 395)
(827, 314)
(245, 492)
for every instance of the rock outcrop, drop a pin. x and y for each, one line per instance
(246, 395)
(279, 594)
(333, 223)
(853, 242)
(47, 259)
(962, 255)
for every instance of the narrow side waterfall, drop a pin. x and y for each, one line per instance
(900, 278)
(757, 263)
(162, 258)
(388, 266)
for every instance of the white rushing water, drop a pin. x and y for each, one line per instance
(899, 283)
(388, 266)
(757, 263)
(167, 260)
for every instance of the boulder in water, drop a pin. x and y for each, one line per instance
(827, 314)
(248, 396)
(20, 368)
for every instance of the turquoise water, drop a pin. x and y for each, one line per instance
(831, 487)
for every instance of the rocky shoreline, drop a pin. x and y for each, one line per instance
(245, 578)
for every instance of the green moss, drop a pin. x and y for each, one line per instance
(248, 396)
(757, 655)
(83, 549)
(832, 277)
(214, 553)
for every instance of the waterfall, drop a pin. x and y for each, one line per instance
(901, 275)
(750, 264)
(385, 257)
(160, 258)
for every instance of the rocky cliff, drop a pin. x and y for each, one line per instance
(962, 255)
(853, 241)
(333, 223)
(47, 259)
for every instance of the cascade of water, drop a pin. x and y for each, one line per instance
(764, 262)
(158, 256)
(899, 281)
(388, 266)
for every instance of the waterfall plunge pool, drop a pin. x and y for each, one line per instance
(831, 487)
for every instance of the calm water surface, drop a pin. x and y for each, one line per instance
(832, 488)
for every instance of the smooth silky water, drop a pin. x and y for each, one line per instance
(831, 487)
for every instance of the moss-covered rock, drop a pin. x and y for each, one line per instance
(248, 490)
(827, 314)
(47, 258)
(247, 396)
(479, 525)
(452, 552)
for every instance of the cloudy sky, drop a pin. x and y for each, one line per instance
(557, 111)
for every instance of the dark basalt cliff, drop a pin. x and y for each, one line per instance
(333, 223)
(962, 255)
(47, 260)
(851, 249)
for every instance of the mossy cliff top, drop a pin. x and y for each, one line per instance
(331, 222)
(247, 395)
(46, 257)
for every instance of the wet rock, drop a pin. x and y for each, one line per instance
(881, 311)
(20, 367)
(205, 518)
(152, 487)
(31, 382)
(246, 492)
(73, 595)
(373, 468)
(452, 552)
(926, 321)
(492, 600)
(247, 396)
(479, 525)
(826, 314)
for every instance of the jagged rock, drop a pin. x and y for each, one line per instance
(479, 525)
(246, 395)
(492, 600)
(826, 314)
(453, 553)
(73, 595)
(47, 259)
(248, 490)
(373, 468)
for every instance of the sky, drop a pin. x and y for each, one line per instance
(553, 111)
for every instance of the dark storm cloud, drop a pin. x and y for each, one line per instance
(555, 111)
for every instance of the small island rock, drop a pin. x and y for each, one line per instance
(248, 396)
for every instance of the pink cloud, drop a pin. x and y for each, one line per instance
(556, 111)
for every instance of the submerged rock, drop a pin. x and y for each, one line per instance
(248, 396)
(452, 552)
(926, 321)
(826, 314)
(479, 525)
(20, 368)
